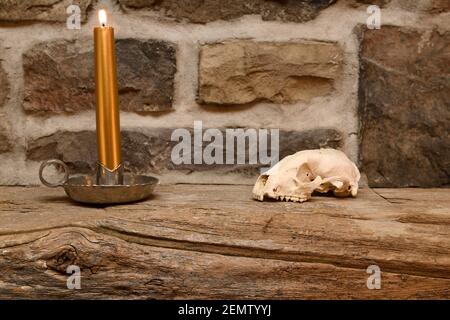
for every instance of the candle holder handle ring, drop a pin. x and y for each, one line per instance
(54, 162)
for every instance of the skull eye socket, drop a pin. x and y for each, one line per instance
(264, 179)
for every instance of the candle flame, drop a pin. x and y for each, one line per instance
(102, 17)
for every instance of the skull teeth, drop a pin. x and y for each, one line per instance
(291, 198)
(287, 198)
(258, 197)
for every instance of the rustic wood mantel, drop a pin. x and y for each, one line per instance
(214, 241)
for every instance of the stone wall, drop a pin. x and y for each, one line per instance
(309, 68)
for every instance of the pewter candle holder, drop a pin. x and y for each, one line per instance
(109, 184)
(84, 188)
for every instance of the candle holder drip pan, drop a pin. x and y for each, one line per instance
(83, 188)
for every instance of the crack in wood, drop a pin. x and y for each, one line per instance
(252, 252)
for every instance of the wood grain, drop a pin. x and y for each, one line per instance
(214, 241)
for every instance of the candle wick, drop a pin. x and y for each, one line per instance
(103, 25)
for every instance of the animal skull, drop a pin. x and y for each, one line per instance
(297, 176)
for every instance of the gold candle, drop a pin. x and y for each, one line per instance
(107, 114)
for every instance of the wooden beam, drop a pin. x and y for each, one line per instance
(204, 241)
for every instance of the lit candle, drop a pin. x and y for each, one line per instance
(108, 122)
